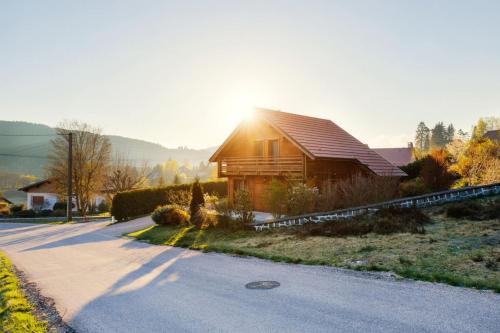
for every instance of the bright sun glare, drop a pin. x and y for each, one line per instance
(241, 107)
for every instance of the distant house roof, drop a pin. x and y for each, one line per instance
(4, 199)
(322, 138)
(33, 185)
(492, 135)
(397, 156)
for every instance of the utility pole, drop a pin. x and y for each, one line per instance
(69, 207)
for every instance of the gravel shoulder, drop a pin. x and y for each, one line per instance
(44, 308)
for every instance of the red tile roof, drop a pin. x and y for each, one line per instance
(322, 138)
(397, 156)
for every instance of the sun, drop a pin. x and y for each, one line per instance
(241, 106)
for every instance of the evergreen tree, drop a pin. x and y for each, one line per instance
(177, 180)
(422, 137)
(450, 133)
(439, 137)
(197, 199)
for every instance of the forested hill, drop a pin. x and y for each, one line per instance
(28, 154)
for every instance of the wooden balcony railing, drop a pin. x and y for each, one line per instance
(268, 166)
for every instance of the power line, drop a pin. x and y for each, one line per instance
(24, 148)
(31, 134)
(27, 156)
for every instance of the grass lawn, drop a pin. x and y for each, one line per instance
(454, 251)
(15, 311)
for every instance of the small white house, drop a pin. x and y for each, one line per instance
(43, 195)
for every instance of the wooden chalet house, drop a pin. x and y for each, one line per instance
(292, 146)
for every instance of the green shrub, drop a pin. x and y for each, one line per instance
(197, 199)
(44, 212)
(14, 209)
(59, 206)
(275, 197)
(134, 203)
(413, 169)
(210, 200)
(243, 206)
(170, 215)
(302, 199)
(223, 207)
(413, 187)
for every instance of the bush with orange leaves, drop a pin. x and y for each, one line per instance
(435, 170)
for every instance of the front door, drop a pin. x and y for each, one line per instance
(259, 188)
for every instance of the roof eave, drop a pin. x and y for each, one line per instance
(216, 154)
(36, 184)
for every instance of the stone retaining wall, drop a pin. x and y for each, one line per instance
(432, 199)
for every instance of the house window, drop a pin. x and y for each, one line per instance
(258, 148)
(37, 201)
(273, 148)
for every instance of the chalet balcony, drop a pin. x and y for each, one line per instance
(291, 166)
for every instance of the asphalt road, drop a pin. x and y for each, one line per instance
(103, 283)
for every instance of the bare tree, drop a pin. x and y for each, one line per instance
(91, 155)
(123, 176)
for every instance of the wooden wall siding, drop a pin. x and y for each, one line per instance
(256, 185)
(333, 169)
(239, 157)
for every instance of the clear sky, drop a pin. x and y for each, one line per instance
(184, 72)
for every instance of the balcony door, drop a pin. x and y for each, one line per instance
(273, 148)
(258, 148)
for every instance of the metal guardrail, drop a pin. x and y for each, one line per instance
(421, 201)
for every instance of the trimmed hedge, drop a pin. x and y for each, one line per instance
(133, 203)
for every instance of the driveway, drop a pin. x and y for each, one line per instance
(103, 283)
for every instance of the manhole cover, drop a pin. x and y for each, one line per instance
(262, 285)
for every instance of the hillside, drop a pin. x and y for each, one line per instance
(28, 154)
